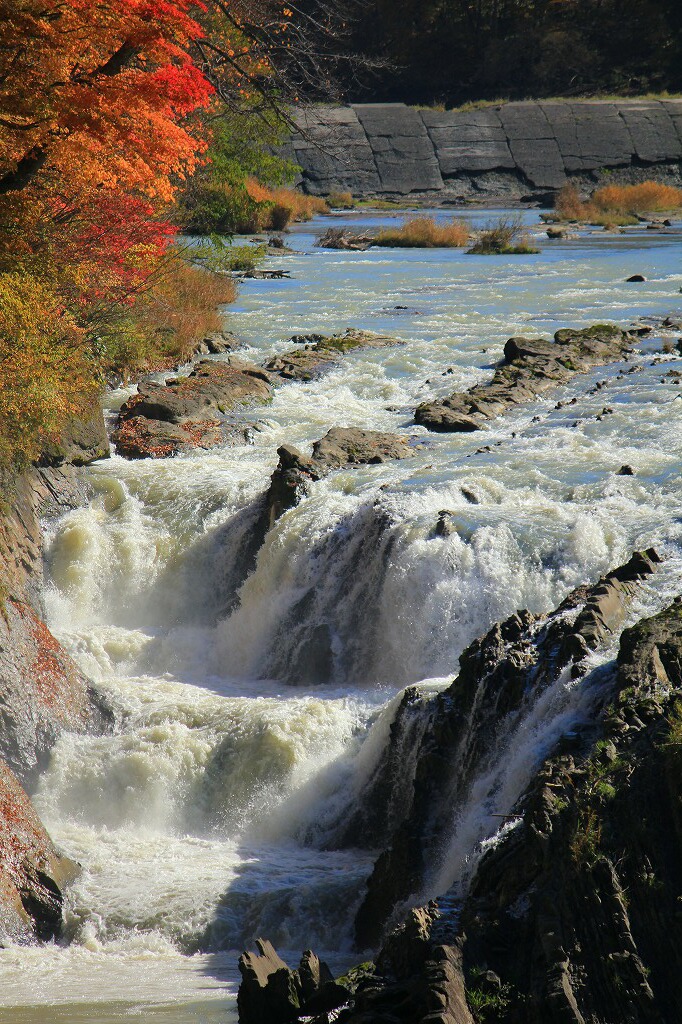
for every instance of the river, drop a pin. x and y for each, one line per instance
(208, 817)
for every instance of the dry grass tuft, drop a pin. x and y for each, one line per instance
(281, 206)
(504, 237)
(617, 204)
(340, 201)
(425, 233)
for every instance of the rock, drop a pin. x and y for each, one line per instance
(185, 413)
(83, 440)
(42, 691)
(635, 278)
(626, 471)
(341, 446)
(557, 232)
(32, 873)
(312, 360)
(217, 343)
(513, 663)
(532, 366)
(142, 438)
(269, 990)
(517, 150)
(271, 993)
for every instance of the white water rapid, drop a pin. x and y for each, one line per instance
(204, 820)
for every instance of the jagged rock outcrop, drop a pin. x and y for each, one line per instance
(572, 916)
(32, 873)
(186, 413)
(577, 911)
(311, 360)
(270, 991)
(340, 446)
(532, 366)
(84, 440)
(520, 150)
(502, 675)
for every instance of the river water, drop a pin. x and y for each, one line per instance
(208, 817)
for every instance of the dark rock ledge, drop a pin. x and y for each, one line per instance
(531, 367)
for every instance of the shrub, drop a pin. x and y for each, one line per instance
(164, 324)
(48, 371)
(506, 236)
(425, 233)
(340, 201)
(616, 205)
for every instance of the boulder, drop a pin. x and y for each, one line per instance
(531, 367)
(142, 438)
(185, 413)
(272, 993)
(83, 440)
(32, 873)
(340, 447)
(311, 360)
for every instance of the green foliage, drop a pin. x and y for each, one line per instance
(216, 199)
(488, 1003)
(216, 255)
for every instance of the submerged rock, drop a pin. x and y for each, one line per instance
(531, 367)
(190, 412)
(318, 353)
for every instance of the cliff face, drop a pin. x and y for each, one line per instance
(512, 150)
(42, 691)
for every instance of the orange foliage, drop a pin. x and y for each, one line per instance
(648, 197)
(617, 203)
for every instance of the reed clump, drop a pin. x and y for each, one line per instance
(425, 233)
(505, 237)
(617, 205)
(340, 201)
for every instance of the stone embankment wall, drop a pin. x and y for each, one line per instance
(511, 150)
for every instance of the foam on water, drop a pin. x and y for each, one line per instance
(252, 712)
